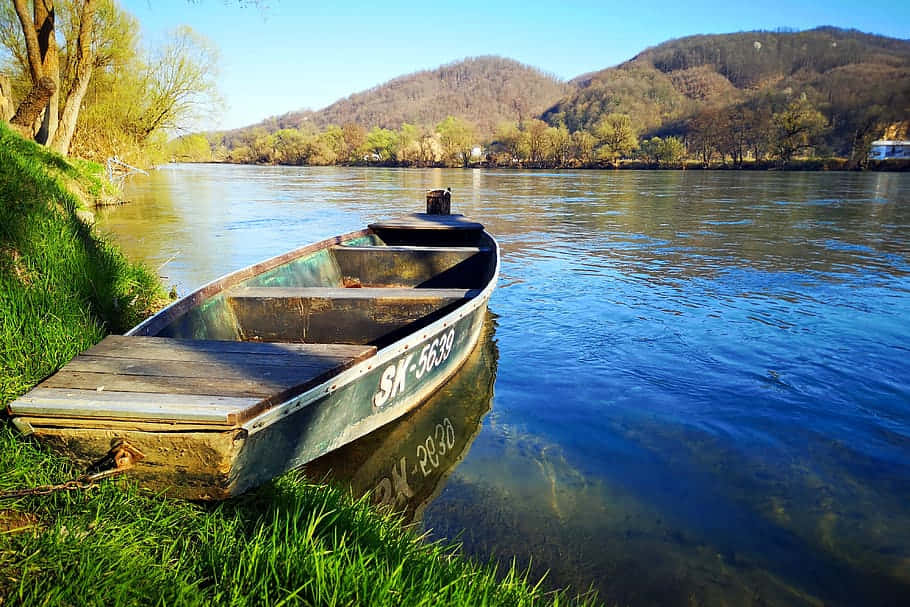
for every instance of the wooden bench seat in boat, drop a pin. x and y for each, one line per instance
(424, 221)
(336, 315)
(413, 266)
(422, 228)
(155, 379)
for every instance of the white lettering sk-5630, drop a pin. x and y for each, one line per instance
(394, 378)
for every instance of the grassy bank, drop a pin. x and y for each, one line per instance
(61, 287)
(289, 543)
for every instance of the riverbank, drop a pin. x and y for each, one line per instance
(800, 164)
(62, 287)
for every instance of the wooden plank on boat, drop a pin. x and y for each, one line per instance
(167, 348)
(467, 251)
(412, 266)
(236, 368)
(154, 379)
(160, 385)
(423, 221)
(68, 402)
(337, 315)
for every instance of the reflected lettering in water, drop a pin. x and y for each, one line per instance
(405, 464)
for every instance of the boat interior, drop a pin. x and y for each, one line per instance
(364, 292)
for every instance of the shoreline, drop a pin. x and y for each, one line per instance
(808, 165)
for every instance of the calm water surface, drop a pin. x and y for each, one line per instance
(694, 385)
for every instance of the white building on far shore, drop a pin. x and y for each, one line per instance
(884, 148)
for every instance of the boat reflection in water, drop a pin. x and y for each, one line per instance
(404, 465)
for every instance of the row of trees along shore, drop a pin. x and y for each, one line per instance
(82, 82)
(767, 133)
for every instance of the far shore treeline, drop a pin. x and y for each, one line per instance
(813, 99)
(787, 139)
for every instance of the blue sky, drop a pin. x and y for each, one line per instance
(294, 55)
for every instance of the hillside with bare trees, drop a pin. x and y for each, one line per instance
(760, 98)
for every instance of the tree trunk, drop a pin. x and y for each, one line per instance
(84, 65)
(34, 103)
(31, 40)
(43, 88)
(47, 46)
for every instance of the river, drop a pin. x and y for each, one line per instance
(694, 385)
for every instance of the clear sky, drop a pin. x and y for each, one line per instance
(294, 55)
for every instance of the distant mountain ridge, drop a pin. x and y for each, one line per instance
(483, 90)
(858, 81)
(840, 71)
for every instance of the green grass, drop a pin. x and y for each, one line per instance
(61, 286)
(289, 543)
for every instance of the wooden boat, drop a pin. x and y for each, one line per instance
(274, 365)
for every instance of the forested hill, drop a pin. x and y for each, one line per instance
(750, 95)
(846, 74)
(482, 90)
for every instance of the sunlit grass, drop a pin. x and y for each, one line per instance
(61, 286)
(289, 543)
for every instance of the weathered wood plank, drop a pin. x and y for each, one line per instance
(185, 380)
(57, 402)
(162, 385)
(338, 315)
(413, 266)
(229, 359)
(424, 221)
(220, 369)
(413, 249)
(165, 348)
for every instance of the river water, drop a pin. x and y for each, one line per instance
(693, 388)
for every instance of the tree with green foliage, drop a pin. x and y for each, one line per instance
(190, 148)
(583, 144)
(670, 150)
(795, 128)
(328, 147)
(536, 144)
(48, 112)
(456, 136)
(118, 97)
(291, 147)
(430, 147)
(508, 139)
(648, 150)
(383, 143)
(408, 145)
(559, 145)
(149, 95)
(616, 135)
